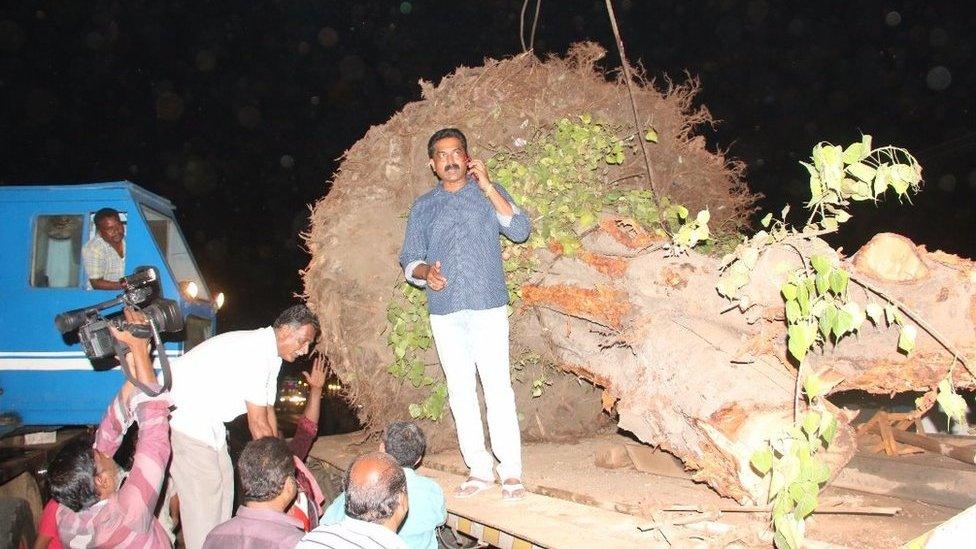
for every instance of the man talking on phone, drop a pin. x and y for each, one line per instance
(452, 248)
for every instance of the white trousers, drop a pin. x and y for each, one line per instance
(470, 342)
(204, 478)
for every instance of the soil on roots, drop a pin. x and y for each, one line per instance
(357, 227)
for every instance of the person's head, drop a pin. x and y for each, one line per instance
(267, 472)
(405, 442)
(295, 330)
(80, 476)
(448, 153)
(109, 225)
(376, 490)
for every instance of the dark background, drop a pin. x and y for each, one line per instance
(237, 111)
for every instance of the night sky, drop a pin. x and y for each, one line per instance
(237, 111)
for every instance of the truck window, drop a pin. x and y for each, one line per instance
(167, 235)
(198, 330)
(56, 253)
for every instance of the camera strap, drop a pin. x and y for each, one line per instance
(121, 350)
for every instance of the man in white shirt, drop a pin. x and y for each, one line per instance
(226, 376)
(104, 255)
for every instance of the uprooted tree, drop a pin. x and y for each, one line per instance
(684, 349)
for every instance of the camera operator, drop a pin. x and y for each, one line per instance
(223, 377)
(94, 510)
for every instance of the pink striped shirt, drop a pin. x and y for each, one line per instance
(126, 518)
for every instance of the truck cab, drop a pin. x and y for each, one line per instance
(45, 378)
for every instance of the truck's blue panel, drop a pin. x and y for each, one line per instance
(46, 378)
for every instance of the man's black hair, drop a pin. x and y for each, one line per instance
(405, 442)
(71, 475)
(264, 466)
(297, 316)
(377, 501)
(443, 134)
(104, 214)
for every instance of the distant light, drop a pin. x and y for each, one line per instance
(938, 78)
(314, 100)
(406, 8)
(333, 387)
(328, 37)
(287, 161)
(219, 300)
(893, 19)
(190, 289)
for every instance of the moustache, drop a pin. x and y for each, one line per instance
(452, 167)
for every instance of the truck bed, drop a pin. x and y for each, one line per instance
(574, 503)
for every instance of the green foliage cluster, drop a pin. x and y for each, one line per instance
(560, 179)
(409, 336)
(819, 310)
(794, 467)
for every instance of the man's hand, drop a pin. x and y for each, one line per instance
(316, 378)
(480, 173)
(435, 280)
(136, 344)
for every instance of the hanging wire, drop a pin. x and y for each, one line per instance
(535, 22)
(633, 102)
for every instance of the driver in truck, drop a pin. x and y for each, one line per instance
(96, 509)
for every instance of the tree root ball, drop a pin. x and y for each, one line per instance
(357, 227)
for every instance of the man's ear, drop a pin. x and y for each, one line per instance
(102, 483)
(430, 163)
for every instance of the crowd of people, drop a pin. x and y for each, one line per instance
(182, 475)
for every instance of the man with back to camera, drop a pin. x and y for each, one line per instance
(376, 504)
(104, 255)
(452, 248)
(266, 468)
(94, 510)
(225, 376)
(407, 444)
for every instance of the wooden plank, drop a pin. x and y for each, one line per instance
(913, 481)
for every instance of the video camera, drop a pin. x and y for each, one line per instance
(141, 292)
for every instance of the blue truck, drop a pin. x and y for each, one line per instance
(45, 378)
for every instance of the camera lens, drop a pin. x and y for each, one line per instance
(69, 321)
(165, 314)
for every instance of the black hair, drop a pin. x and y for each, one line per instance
(297, 316)
(263, 467)
(405, 442)
(104, 214)
(71, 475)
(375, 501)
(444, 134)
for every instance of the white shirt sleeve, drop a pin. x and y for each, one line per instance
(408, 273)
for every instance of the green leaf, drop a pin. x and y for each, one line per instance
(792, 311)
(766, 220)
(853, 153)
(800, 338)
(762, 460)
(891, 314)
(842, 324)
(853, 309)
(804, 506)
(906, 339)
(789, 291)
(703, 217)
(951, 402)
(822, 283)
(786, 210)
(875, 312)
(811, 423)
(862, 171)
(838, 281)
(788, 531)
(830, 431)
(813, 386)
(415, 411)
(803, 298)
(820, 263)
(651, 135)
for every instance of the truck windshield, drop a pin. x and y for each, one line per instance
(169, 239)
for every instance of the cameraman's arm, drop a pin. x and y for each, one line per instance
(258, 420)
(118, 417)
(102, 284)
